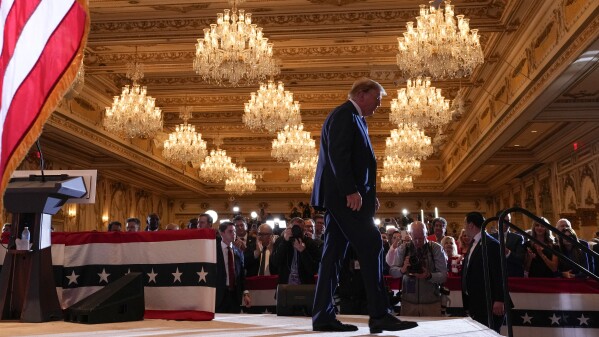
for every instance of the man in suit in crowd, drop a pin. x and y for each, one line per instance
(192, 223)
(133, 225)
(204, 221)
(257, 258)
(345, 185)
(473, 285)
(244, 240)
(514, 249)
(295, 256)
(319, 228)
(229, 272)
(153, 222)
(115, 226)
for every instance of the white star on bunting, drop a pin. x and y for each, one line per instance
(526, 318)
(202, 275)
(73, 278)
(177, 275)
(554, 319)
(103, 276)
(152, 276)
(583, 320)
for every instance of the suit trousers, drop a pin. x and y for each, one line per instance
(343, 227)
(230, 303)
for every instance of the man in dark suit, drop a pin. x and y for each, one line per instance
(345, 185)
(473, 289)
(257, 257)
(229, 272)
(295, 257)
(514, 250)
(244, 239)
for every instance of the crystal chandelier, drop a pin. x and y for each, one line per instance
(421, 104)
(307, 184)
(408, 141)
(303, 167)
(77, 85)
(240, 182)
(438, 46)
(234, 49)
(396, 184)
(271, 108)
(293, 143)
(217, 166)
(399, 166)
(134, 113)
(184, 144)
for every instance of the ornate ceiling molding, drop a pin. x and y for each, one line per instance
(527, 94)
(134, 156)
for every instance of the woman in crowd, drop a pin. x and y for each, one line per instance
(574, 253)
(454, 260)
(463, 242)
(539, 261)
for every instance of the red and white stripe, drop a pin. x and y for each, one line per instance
(39, 39)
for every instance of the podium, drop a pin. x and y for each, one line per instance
(27, 288)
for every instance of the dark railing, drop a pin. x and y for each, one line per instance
(501, 235)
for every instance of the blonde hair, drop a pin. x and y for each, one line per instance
(365, 85)
(450, 239)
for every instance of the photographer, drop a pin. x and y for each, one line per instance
(423, 266)
(295, 255)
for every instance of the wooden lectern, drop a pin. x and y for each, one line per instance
(27, 288)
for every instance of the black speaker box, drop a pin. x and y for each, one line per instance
(295, 300)
(120, 301)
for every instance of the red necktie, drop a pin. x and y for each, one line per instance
(231, 271)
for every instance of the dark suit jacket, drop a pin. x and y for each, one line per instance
(475, 301)
(252, 264)
(515, 262)
(346, 162)
(307, 264)
(221, 274)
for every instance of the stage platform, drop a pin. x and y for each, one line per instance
(240, 325)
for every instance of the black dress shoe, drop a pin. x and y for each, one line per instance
(389, 323)
(334, 326)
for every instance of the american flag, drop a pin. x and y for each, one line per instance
(40, 52)
(178, 267)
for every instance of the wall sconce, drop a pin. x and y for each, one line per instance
(72, 211)
(105, 218)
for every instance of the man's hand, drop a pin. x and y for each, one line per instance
(258, 249)
(299, 245)
(396, 243)
(498, 308)
(406, 265)
(240, 244)
(354, 201)
(247, 300)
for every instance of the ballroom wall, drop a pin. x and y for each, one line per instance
(566, 187)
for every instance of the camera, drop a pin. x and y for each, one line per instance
(415, 265)
(415, 261)
(297, 232)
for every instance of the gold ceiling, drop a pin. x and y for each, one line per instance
(534, 96)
